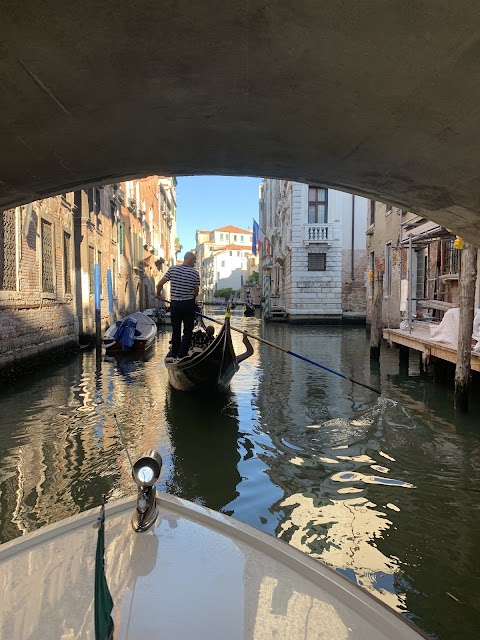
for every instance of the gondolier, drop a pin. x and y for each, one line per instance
(184, 285)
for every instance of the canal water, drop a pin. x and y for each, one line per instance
(385, 490)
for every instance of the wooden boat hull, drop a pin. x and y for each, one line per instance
(210, 370)
(138, 345)
(142, 342)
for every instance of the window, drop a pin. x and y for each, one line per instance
(221, 236)
(231, 253)
(47, 256)
(238, 253)
(99, 262)
(94, 201)
(372, 211)
(121, 237)
(317, 205)
(91, 267)
(242, 239)
(114, 277)
(234, 238)
(388, 269)
(389, 209)
(140, 252)
(317, 261)
(452, 257)
(67, 263)
(8, 269)
(222, 264)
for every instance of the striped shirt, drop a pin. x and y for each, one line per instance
(182, 281)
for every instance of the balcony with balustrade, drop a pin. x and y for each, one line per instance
(318, 233)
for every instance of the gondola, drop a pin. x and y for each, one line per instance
(249, 310)
(208, 369)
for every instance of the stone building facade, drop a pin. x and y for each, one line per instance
(417, 257)
(224, 259)
(313, 255)
(385, 253)
(49, 250)
(128, 229)
(37, 284)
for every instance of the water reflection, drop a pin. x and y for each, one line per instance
(203, 430)
(340, 524)
(384, 491)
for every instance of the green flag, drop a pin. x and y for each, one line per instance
(103, 600)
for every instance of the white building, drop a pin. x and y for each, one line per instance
(224, 259)
(313, 263)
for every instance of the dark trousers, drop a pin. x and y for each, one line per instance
(182, 311)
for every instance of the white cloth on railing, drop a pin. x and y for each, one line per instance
(447, 330)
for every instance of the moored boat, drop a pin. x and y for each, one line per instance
(134, 332)
(176, 570)
(248, 310)
(156, 314)
(208, 368)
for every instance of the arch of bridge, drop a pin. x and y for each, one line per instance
(377, 98)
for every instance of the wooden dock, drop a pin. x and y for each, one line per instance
(419, 339)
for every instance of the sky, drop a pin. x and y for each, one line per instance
(209, 202)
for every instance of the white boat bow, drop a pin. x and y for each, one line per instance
(195, 574)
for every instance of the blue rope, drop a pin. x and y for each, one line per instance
(317, 364)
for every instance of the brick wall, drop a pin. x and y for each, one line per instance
(39, 315)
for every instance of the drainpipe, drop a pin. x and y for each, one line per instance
(353, 236)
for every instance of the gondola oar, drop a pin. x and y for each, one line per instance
(295, 355)
(291, 353)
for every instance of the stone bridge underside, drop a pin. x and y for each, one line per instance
(379, 98)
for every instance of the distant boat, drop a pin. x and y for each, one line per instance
(135, 332)
(155, 314)
(248, 310)
(160, 316)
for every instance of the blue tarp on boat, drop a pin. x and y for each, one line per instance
(125, 333)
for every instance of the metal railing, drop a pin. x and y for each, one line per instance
(452, 258)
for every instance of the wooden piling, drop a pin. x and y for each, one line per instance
(467, 280)
(376, 316)
(403, 357)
